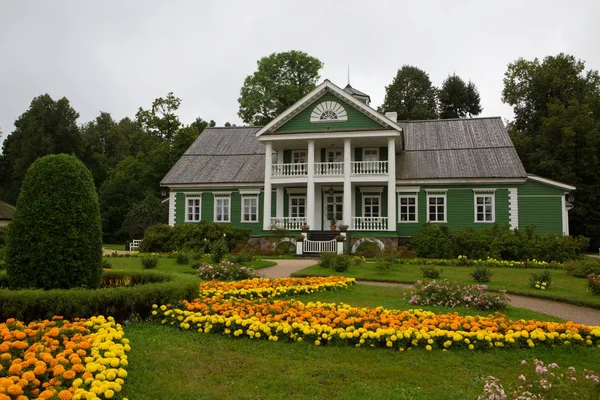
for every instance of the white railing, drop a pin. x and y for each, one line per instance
(288, 223)
(369, 167)
(369, 223)
(315, 246)
(293, 169)
(329, 168)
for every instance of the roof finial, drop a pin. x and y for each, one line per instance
(348, 74)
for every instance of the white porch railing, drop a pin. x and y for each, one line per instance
(329, 168)
(369, 167)
(369, 223)
(314, 246)
(293, 169)
(289, 223)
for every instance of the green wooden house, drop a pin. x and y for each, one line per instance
(332, 160)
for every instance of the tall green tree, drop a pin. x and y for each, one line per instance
(280, 80)
(458, 99)
(48, 127)
(411, 94)
(556, 129)
(161, 119)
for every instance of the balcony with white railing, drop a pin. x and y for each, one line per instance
(289, 169)
(369, 167)
(329, 168)
(369, 223)
(288, 223)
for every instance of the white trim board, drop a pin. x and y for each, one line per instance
(550, 182)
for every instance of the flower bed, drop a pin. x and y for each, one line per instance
(445, 294)
(463, 261)
(324, 323)
(58, 359)
(270, 288)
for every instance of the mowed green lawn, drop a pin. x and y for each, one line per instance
(169, 265)
(514, 280)
(166, 363)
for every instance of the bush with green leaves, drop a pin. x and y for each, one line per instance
(182, 258)
(582, 268)
(149, 261)
(540, 280)
(55, 238)
(383, 265)
(326, 260)
(433, 241)
(226, 271)
(368, 248)
(241, 257)
(594, 283)
(430, 272)
(218, 250)
(481, 273)
(340, 263)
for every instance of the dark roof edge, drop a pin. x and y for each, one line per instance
(403, 121)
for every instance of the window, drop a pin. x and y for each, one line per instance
(370, 154)
(222, 207)
(407, 208)
(249, 209)
(484, 207)
(436, 207)
(329, 111)
(299, 156)
(297, 206)
(371, 206)
(193, 208)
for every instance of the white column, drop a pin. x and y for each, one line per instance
(347, 206)
(310, 186)
(565, 215)
(172, 207)
(279, 208)
(391, 184)
(267, 196)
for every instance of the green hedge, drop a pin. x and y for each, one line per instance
(200, 237)
(123, 303)
(435, 241)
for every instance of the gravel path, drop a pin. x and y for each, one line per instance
(578, 314)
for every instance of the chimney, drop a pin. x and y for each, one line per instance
(392, 115)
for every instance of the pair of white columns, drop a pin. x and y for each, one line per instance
(310, 185)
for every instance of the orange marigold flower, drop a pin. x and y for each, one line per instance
(29, 375)
(39, 370)
(65, 395)
(70, 374)
(14, 390)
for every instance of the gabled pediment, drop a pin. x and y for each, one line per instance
(328, 109)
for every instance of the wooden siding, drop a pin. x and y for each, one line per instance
(356, 120)
(540, 205)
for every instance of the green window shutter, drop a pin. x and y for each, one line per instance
(358, 154)
(287, 156)
(323, 155)
(383, 154)
(180, 208)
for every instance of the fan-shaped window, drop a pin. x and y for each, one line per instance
(329, 111)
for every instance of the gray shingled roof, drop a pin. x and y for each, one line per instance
(6, 211)
(350, 90)
(458, 148)
(221, 155)
(436, 149)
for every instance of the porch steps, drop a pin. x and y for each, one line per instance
(322, 236)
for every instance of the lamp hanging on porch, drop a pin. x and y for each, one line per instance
(331, 192)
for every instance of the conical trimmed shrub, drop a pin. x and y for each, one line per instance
(55, 238)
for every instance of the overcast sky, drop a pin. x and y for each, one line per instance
(116, 56)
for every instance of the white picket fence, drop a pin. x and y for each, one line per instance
(314, 246)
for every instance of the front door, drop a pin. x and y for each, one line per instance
(332, 210)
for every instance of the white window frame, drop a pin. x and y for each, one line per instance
(296, 155)
(328, 152)
(445, 205)
(222, 197)
(374, 196)
(250, 214)
(416, 205)
(483, 194)
(290, 206)
(364, 153)
(194, 198)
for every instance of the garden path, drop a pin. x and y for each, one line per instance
(570, 312)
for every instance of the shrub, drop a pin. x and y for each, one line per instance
(149, 261)
(540, 280)
(368, 248)
(55, 237)
(357, 260)
(326, 260)
(433, 241)
(285, 247)
(341, 263)
(481, 273)
(430, 272)
(218, 250)
(383, 265)
(106, 264)
(157, 238)
(446, 294)
(594, 283)
(241, 257)
(582, 268)
(182, 258)
(123, 303)
(226, 271)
